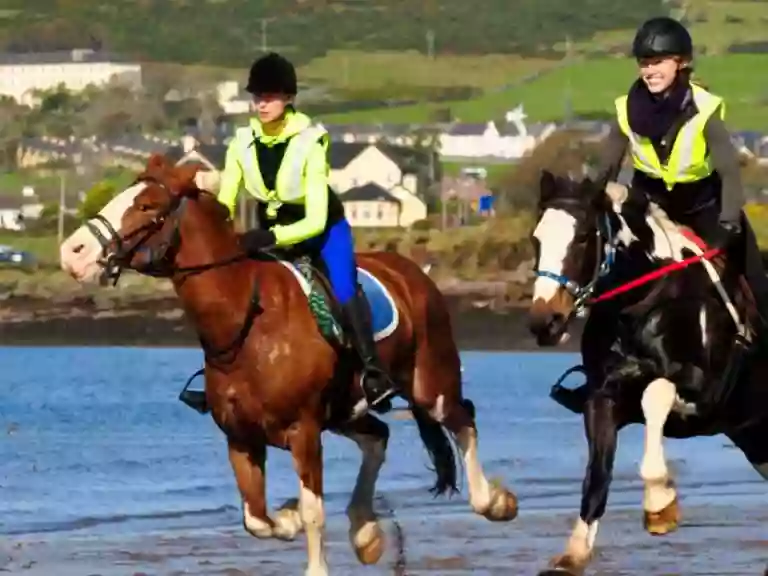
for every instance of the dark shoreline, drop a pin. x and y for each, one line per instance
(158, 322)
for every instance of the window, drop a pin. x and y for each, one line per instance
(353, 213)
(380, 213)
(366, 214)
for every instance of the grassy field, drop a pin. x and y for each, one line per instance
(592, 86)
(355, 70)
(714, 24)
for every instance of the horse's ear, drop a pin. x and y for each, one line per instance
(208, 180)
(184, 182)
(547, 186)
(157, 162)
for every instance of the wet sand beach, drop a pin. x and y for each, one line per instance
(716, 539)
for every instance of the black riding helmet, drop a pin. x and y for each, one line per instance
(662, 36)
(272, 74)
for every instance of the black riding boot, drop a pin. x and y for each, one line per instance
(376, 383)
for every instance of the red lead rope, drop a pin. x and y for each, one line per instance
(669, 268)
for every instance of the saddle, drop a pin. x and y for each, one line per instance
(322, 301)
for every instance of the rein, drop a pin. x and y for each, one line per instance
(654, 275)
(583, 296)
(116, 258)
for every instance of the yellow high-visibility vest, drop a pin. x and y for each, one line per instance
(689, 159)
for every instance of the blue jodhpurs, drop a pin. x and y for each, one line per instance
(337, 249)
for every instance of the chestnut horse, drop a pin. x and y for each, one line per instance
(271, 377)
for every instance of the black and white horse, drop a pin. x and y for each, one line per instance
(664, 343)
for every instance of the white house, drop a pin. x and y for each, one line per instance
(511, 139)
(231, 99)
(370, 164)
(370, 205)
(22, 74)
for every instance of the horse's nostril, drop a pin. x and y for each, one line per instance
(77, 249)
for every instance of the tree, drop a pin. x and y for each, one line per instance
(12, 127)
(96, 198)
(564, 152)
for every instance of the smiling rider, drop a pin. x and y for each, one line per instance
(683, 156)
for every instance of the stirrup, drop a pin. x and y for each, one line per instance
(382, 402)
(195, 399)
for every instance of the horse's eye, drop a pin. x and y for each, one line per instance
(144, 207)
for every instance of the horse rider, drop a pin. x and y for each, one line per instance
(683, 156)
(282, 160)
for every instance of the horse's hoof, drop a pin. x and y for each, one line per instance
(287, 521)
(503, 506)
(664, 521)
(565, 565)
(369, 543)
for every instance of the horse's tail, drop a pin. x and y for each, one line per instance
(440, 449)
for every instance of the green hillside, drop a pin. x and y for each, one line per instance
(591, 86)
(229, 32)
(475, 59)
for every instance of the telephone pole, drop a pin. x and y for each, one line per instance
(62, 204)
(568, 103)
(431, 44)
(264, 35)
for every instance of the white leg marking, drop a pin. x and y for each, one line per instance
(658, 399)
(437, 412)
(363, 525)
(479, 487)
(313, 517)
(582, 541)
(255, 526)
(555, 233)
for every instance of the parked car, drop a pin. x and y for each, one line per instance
(13, 258)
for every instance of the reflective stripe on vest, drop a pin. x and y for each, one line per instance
(289, 182)
(689, 158)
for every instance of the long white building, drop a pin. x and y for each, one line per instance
(22, 74)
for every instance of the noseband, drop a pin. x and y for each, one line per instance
(117, 251)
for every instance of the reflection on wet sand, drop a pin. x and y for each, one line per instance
(715, 539)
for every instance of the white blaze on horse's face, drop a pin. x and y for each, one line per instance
(555, 232)
(81, 253)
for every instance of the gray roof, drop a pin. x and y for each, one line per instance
(8, 202)
(340, 154)
(463, 129)
(216, 154)
(370, 192)
(80, 55)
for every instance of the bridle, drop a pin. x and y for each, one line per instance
(605, 255)
(118, 252)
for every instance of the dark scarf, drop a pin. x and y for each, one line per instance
(652, 116)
